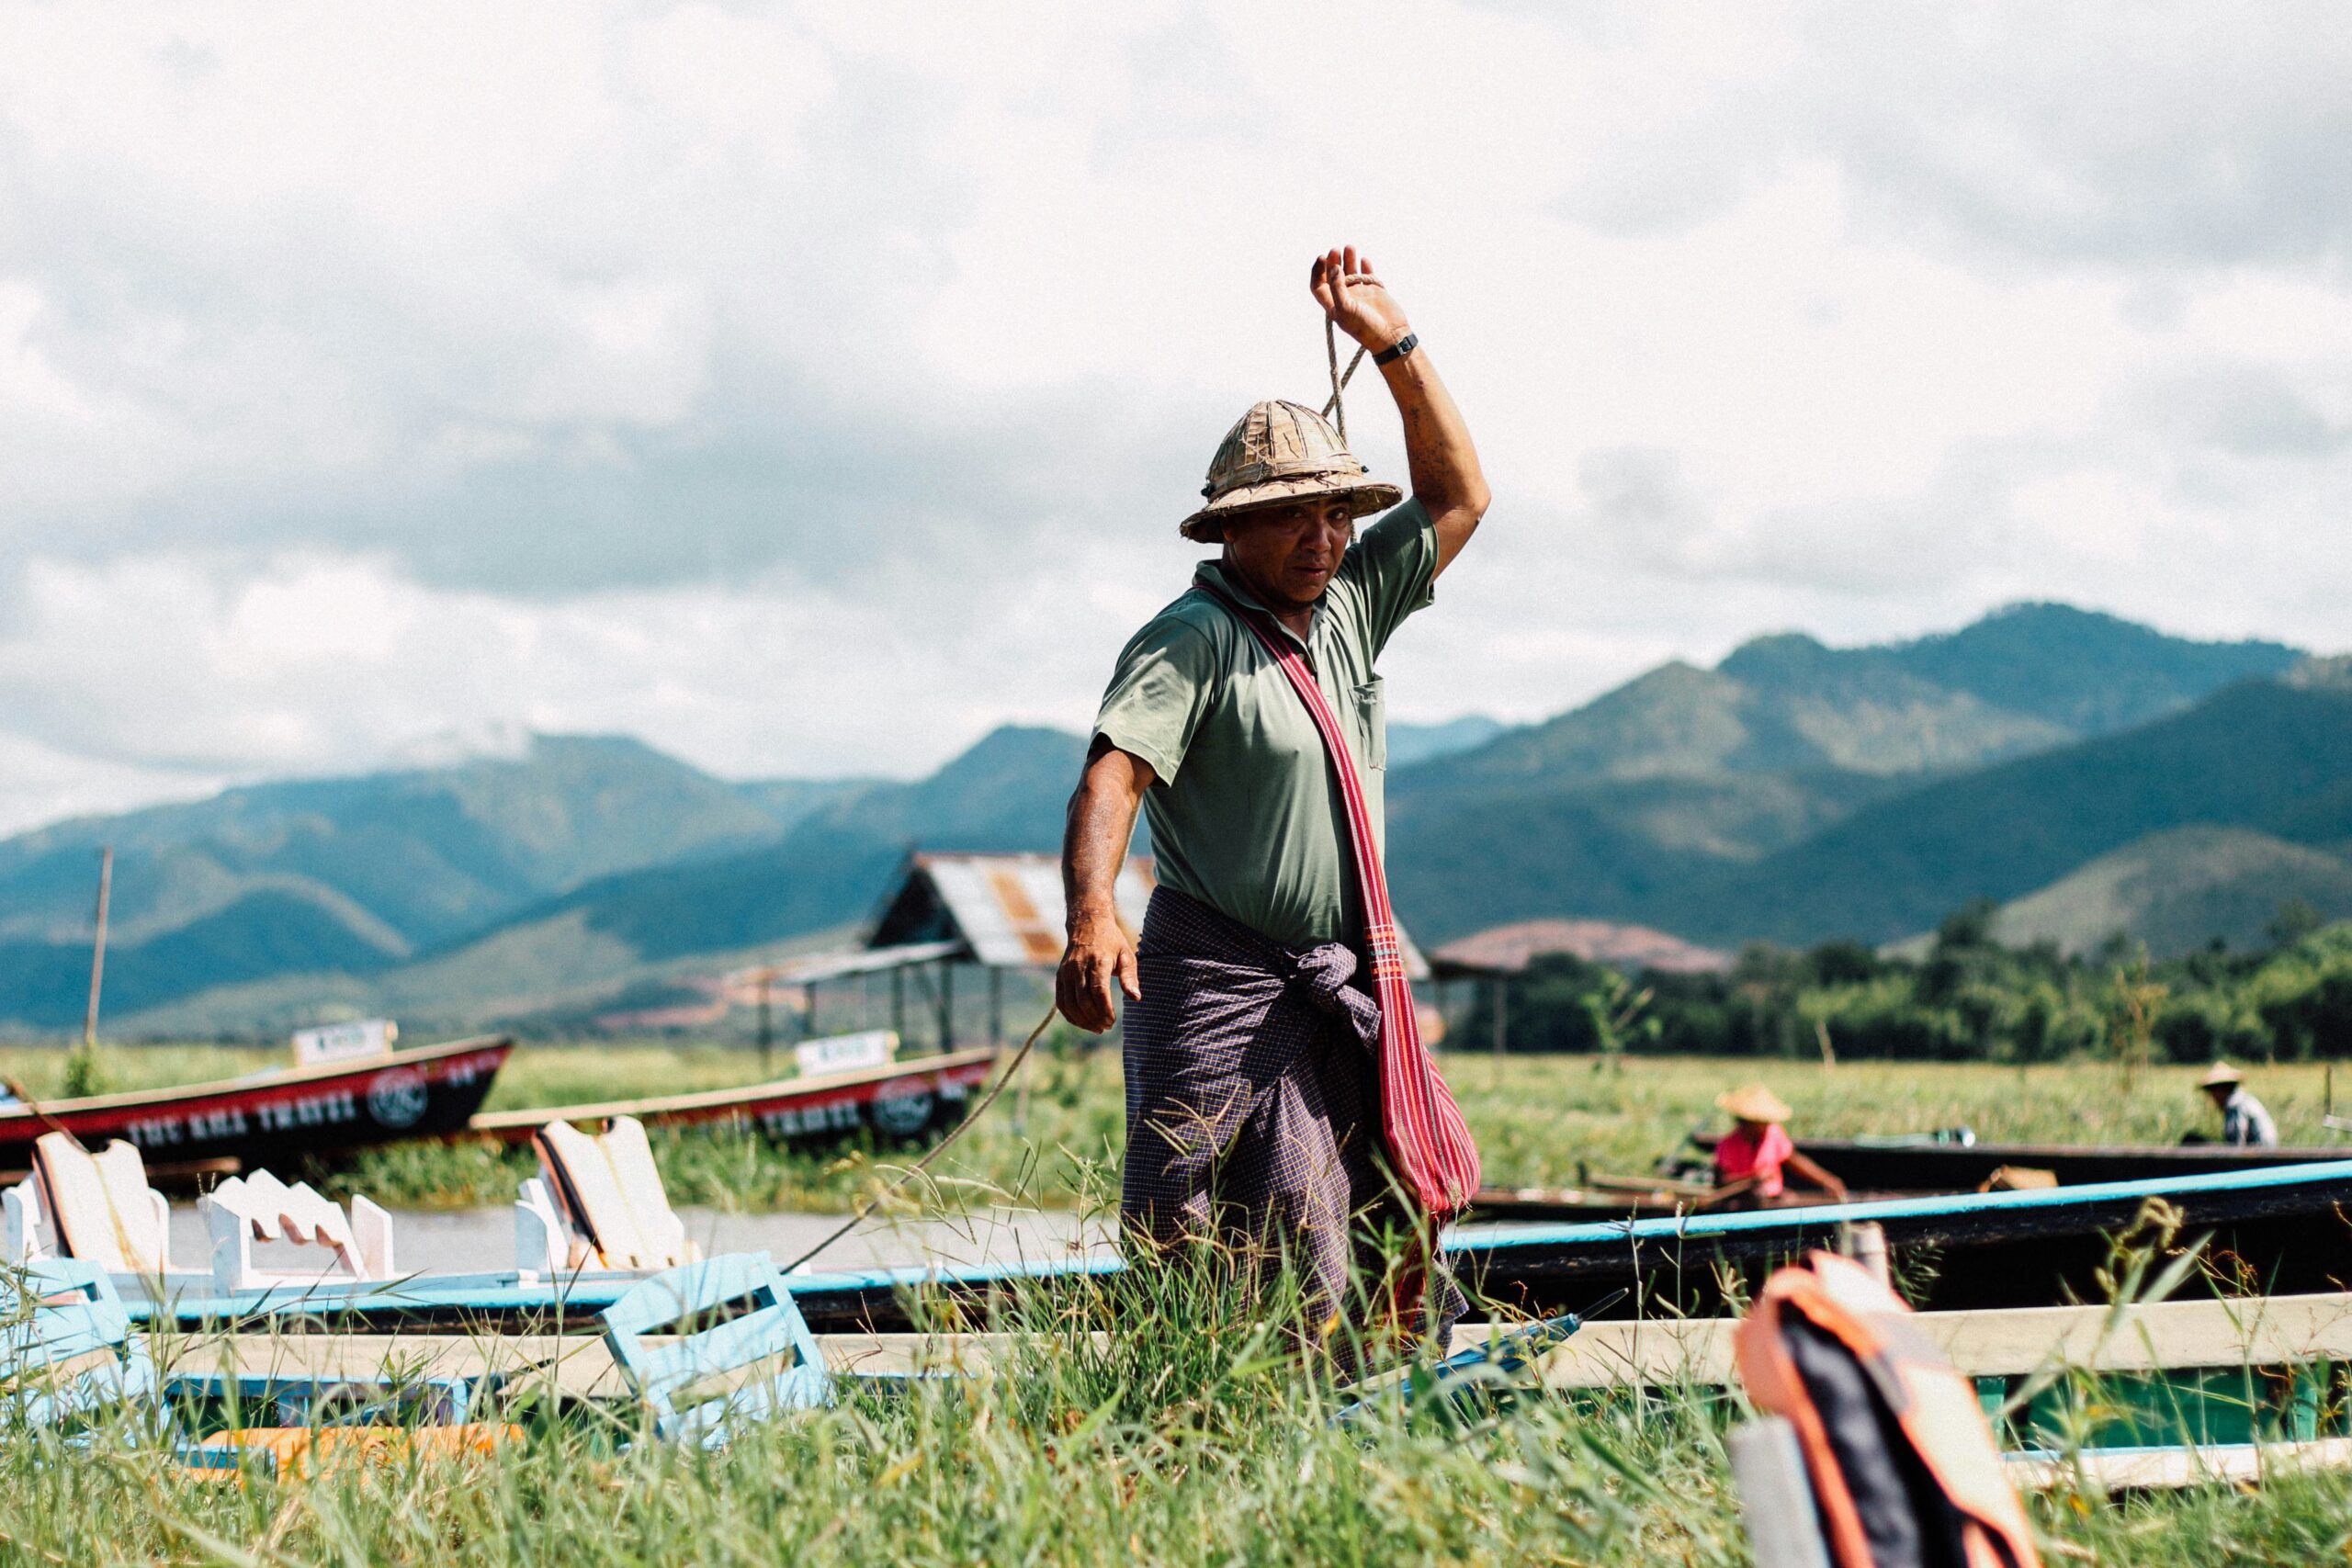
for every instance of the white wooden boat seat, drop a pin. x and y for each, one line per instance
(597, 1204)
(97, 1208)
(329, 1247)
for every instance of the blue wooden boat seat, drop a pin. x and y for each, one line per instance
(66, 1349)
(742, 1351)
(67, 1355)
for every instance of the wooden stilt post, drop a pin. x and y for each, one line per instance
(99, 948)
(947, 1004)
(996, 1006)
(767, 1025)
(1867, 1247)
(899, 1002)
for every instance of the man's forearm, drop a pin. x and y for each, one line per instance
(1438, 453)
(1094, 847)
(1100, 961)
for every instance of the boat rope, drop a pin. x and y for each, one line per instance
(1333, 409)
(865, 1211)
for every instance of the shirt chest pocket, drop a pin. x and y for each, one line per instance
(1368, 712)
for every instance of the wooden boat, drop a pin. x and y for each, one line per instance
(898, 1100)
(276, 1117)
(2282, 1230)
(1928, 1163)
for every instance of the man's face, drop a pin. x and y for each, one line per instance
(1287, 552)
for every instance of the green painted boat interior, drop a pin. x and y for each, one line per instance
(2161, 1409)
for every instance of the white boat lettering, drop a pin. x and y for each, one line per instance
(228, 1121)
(308, 1110)
(790, 1119)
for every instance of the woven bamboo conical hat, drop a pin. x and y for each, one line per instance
(1276, 452)
(2220, 1073)
(1753, 1102)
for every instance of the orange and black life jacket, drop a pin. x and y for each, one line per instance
(1904, 1469)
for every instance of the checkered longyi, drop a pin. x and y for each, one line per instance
(1254, 1098)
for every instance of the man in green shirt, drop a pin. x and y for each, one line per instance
(1253, 1103)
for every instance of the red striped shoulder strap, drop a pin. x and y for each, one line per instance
(1428, 1142)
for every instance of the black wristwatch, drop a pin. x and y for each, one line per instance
(1397, 350)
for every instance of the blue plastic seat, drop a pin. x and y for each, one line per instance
(66, 1347)
(745, 1352)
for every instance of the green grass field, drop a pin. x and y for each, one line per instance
(1537, 1119)
(1190, 1433)
(1186, 1436)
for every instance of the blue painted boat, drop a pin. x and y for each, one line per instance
(2276, 1231)
(2272, 1231)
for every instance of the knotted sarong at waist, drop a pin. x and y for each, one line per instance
(1254, 1095)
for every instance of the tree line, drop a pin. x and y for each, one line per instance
(1968, 999)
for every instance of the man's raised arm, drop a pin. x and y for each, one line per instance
(1100, 961)
(1443, 463)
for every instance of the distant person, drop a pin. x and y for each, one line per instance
(1751, 1158)
(2246, 1122)
(1279, 1096)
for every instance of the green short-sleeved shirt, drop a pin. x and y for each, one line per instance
(1245, 814)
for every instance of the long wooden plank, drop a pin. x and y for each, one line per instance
(2169, 1336)
(580, 1363)
(2172, 1469)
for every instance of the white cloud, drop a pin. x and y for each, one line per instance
(809, 388)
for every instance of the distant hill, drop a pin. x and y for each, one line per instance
(429, 851)
(1643, 803)
(789, 802)
(1410, 743)
(2087, 673)
(2263, 754)
(2021, 680)
(349, 874)
(2179, 890)
(1006, 793)
(1795, 791)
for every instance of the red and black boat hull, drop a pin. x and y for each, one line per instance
(907, 1099)
(426, 1092)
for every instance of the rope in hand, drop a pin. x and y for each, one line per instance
(866, 1210)
(1334, 410)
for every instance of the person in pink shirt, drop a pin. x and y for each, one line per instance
(1752, 1158)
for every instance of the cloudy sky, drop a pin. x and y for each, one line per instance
(807, 390)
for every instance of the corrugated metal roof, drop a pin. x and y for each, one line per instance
(1006, 909)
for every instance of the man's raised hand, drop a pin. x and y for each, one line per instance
(1356, 301)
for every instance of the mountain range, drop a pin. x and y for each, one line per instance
(2091, 773)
